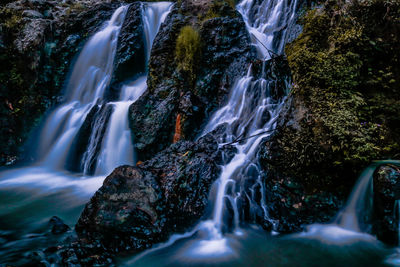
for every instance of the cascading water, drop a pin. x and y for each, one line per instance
(48, 180)
(86, 86)
(250, 115)
(252, 109)
(117, 148)
(269, 23)
(354, 221)
(85, 91)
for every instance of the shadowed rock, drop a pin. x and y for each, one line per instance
(139, 206)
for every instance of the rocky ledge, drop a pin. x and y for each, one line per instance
(139, 206)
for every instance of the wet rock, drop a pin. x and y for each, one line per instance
(58, 226)
(94, 126)
(386, 186)
(188, 97)
(139, 206)
(32, 35)
(130, 58)
(32, 14)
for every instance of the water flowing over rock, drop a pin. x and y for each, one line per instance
(225, 55)
(139, 206)
(36, 56)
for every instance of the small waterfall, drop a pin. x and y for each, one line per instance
(90, 77)
(354, 220)
(117, 147)
(109, 138)
(251, 112)
(359, 204)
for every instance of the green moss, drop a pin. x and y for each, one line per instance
(187, 50)
(220, 8)
(345, 66)
(11, 20)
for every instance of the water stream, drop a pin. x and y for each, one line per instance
(47, 187)
(251, 111)
(353, 222)
(250, 114)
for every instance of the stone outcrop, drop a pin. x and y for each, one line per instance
(190, 95)
(142, 205)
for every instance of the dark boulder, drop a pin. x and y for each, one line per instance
(139, 206)
(386, 186)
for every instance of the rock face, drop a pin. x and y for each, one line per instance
(38, 40)
(386, 186)
(139, 206)
(130, 58)
(183, 99)
(334, 121)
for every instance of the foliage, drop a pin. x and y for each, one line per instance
(187, 50)
(346, 70)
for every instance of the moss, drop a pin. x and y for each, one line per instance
(346, 69)
(11, 19)
(187, 50)
(220, 8)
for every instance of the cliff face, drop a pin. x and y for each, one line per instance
(342, 112)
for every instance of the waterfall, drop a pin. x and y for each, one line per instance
(249, 115)
(251, 111)
(90, 77)
(359, 204)
(354, 220)
(117, 147)
(110, 140)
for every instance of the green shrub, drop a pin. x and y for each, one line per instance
(187, 50)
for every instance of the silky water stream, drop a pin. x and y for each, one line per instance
(31, 195)
(250, 114)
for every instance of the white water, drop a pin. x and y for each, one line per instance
(351, 223)
(270, 26)
(89, 79)
(250, 114)
(85, 89)
(117, 147)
